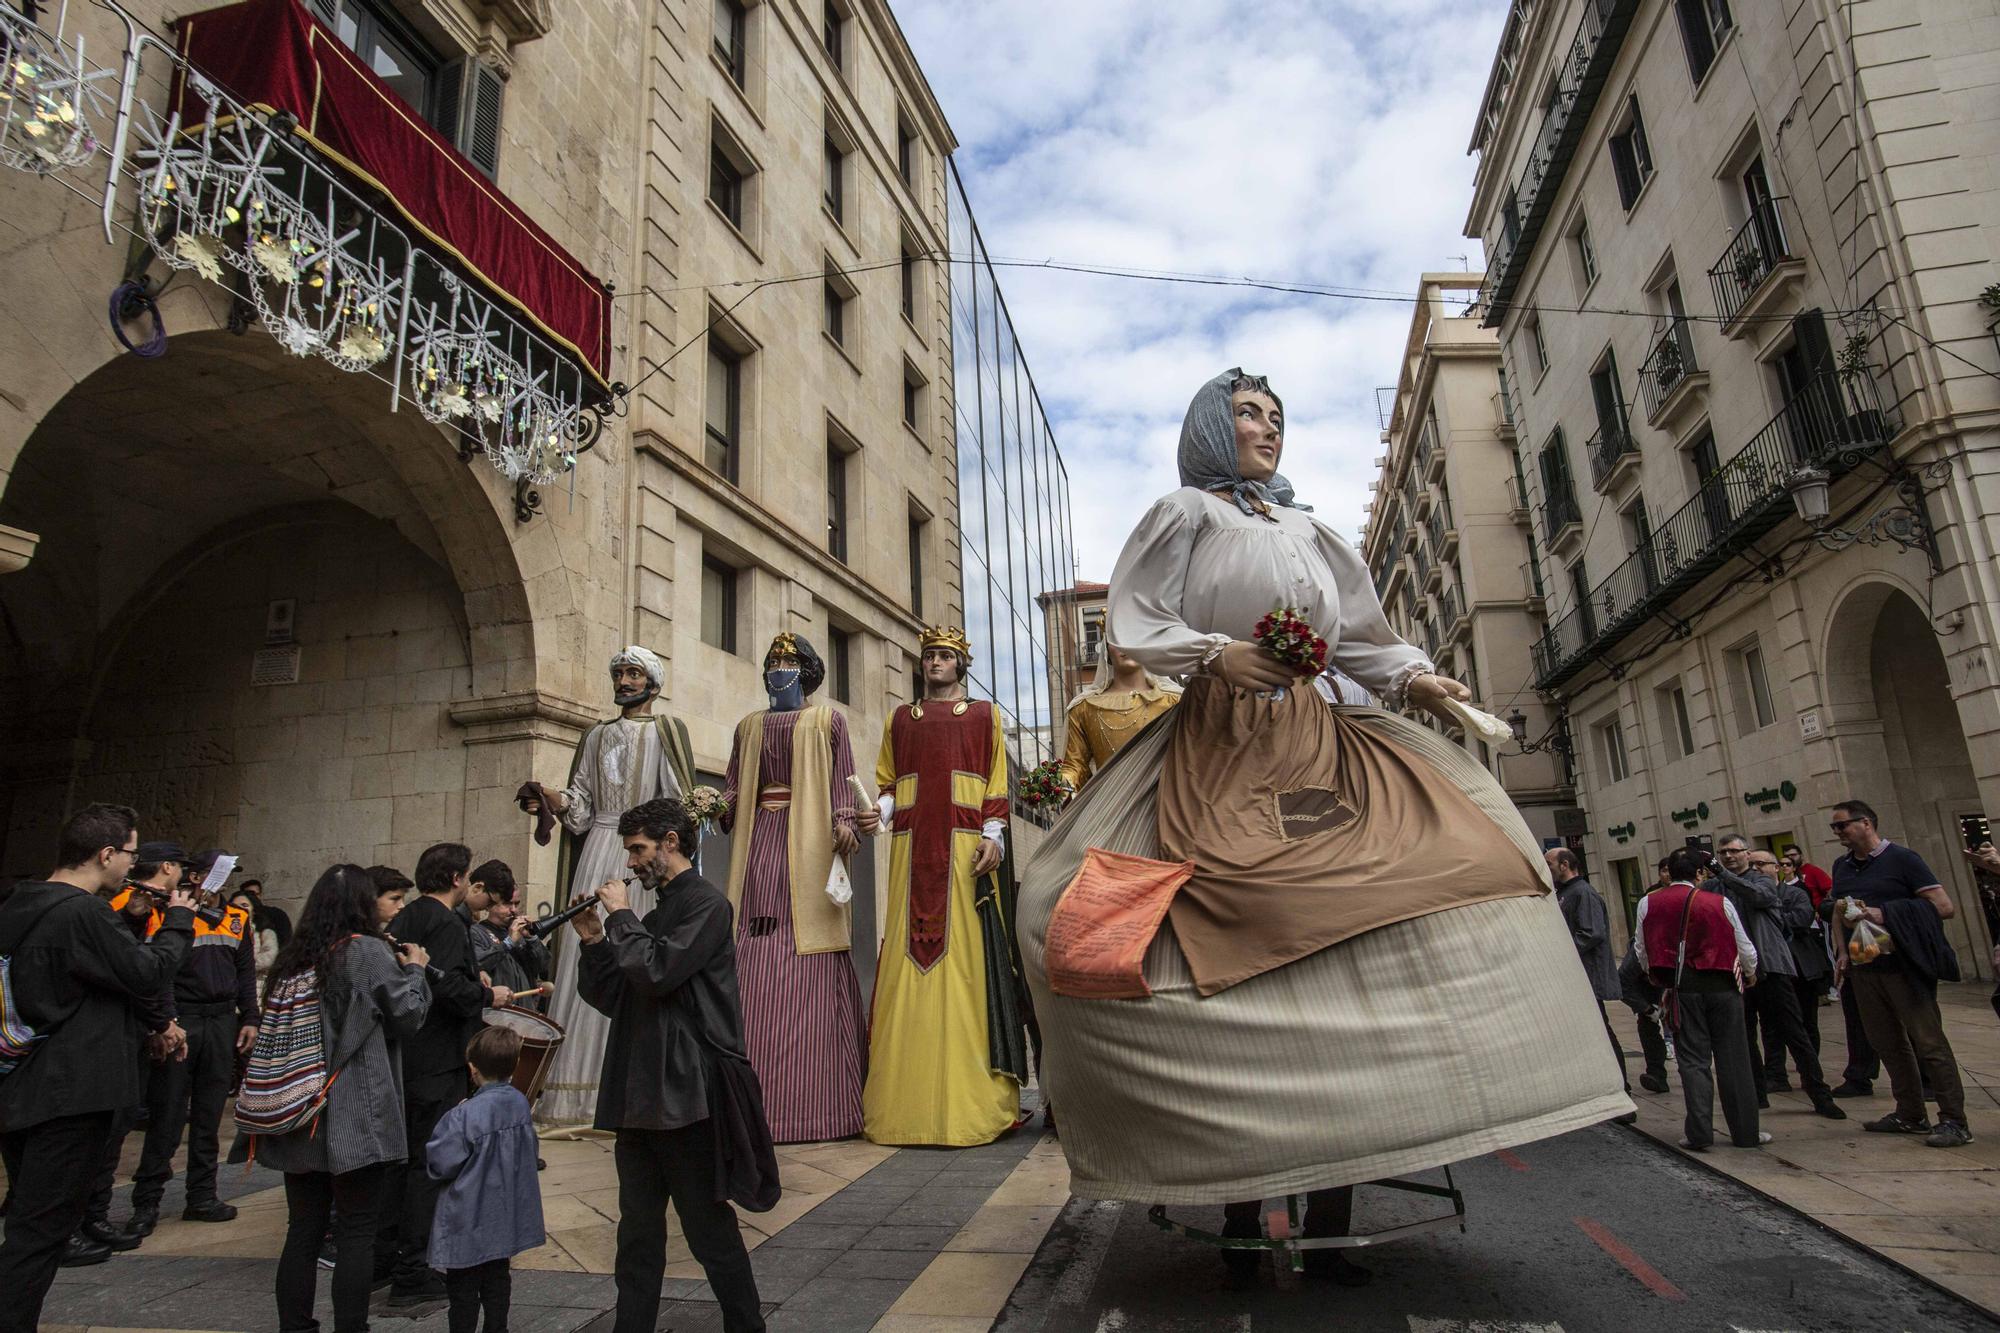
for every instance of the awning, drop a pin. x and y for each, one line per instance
(275, 56)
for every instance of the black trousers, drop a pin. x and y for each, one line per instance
(310, 1200)
(409, 1194)
(1617, 1051)
(187, 1096)
(49, 1167)
(678, 1164)
(1774, 1002)
(98, 1207)
(488, 1286)
(1652, 1041)
(1713, 1051)
(1862, 1064)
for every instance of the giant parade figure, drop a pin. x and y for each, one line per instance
(620, 763)
(1365, 974)
(1112, 712)
(948, 1051)
(790, 810)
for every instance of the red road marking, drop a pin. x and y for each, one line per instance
(1509, 1159)
(1633, 1264)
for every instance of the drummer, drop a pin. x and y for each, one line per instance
(502, 948)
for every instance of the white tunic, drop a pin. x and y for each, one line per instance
(1198, 573)
(620, 764)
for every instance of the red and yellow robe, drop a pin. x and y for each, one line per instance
(928, 1056)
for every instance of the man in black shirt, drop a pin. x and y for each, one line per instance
(1897, 992)
(668, 984)
(434, 1077)
(81, 980)
(501, 946)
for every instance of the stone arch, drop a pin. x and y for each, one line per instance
(223, 460)
(1899, 739)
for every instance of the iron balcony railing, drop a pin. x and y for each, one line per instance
(1607, 448)
(1753, 253)
(1423, 562)
(1426, 445)
(1579, 80)
(1503, 410)
(1670, 361)
(1832, 424)
(1451, 609)
(1382, 577)
(1438, 524)
(1559, 510)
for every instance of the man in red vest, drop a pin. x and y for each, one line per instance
(1693, 945)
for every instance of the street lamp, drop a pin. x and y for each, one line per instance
(1557, 740)
(1905, 524)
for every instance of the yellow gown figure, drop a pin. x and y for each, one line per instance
(1102, 721)
(931, 1061)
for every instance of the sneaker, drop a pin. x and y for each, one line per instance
(1691, 1146)
(326, 1253)
(215, 1210)
(1777, 1083)
(1763, 1137)
(145, 1217)
(1851, 1088)
(1895, 1124)
(1949, 1134)
(1826, 1106)
(1652, 1082)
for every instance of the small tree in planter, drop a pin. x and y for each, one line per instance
(1749, 267)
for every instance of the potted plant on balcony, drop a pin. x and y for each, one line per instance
(1667, 360)
(1749, 268)
(1989, 303)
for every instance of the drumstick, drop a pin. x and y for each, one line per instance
(546, 988)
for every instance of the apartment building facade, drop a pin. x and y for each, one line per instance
(1448, 541)
(1735, 257)
(335, 559)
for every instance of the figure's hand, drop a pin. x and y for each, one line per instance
(868, 820)
(611, 897)
(246, 1037)
(1986, 857)
(1244, 665)
(588, 925)
(501, 996)
(1429, 692)
(844, 841)
(413, 955)
(987, 858)
(557, 801)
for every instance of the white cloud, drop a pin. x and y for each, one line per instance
(1313, 141)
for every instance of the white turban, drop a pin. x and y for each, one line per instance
(646, 660)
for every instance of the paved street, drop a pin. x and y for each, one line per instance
(1600, 1229)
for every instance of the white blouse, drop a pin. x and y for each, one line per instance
(1198, 573)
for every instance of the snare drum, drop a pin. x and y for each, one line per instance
(540, 1035)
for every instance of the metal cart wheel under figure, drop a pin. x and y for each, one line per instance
(1294, 1245)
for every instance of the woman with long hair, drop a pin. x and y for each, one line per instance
(370, 999)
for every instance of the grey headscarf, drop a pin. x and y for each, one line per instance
(1208, 445)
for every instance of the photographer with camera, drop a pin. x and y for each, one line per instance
(1693, 945)
(80, 980)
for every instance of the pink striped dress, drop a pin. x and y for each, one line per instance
(802, 1014)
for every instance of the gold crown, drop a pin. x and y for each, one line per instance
(946, 636)
(785, 644)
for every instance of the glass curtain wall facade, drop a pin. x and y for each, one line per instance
(1013, 501)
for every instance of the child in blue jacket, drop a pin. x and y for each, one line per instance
(491, 1207)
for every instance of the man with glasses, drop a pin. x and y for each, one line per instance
(1774, 999)
(77, 975)
(1896, 993)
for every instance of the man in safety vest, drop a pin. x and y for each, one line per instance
(215, 1001)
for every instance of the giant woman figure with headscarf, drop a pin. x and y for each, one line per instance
(1366, 974)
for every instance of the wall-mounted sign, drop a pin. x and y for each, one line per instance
(1771, 798)
(275, 666)
(1571, 822)
(1623, 832)
(1691, 817)
(1809, 724)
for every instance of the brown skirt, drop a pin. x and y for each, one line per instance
(1307, 828)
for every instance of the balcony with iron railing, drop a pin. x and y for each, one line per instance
(1559, 512)
(1431, 457)
(1420, 560)
(1580, 80)
(1612, 452)
(1670, 374)
(1833, 424)
(1451, 611)
(1503, 414)
(1756, 266)
(1441, 530)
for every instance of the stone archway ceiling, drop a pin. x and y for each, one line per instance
(243, 202)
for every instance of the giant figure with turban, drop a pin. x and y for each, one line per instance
(620, 763)
(791, 824)
(948, 1051)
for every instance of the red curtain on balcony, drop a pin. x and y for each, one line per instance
(274, 55)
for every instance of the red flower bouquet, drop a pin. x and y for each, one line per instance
(1287, 636)
(1043, 785)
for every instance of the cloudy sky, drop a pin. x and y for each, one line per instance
(1318, 141)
